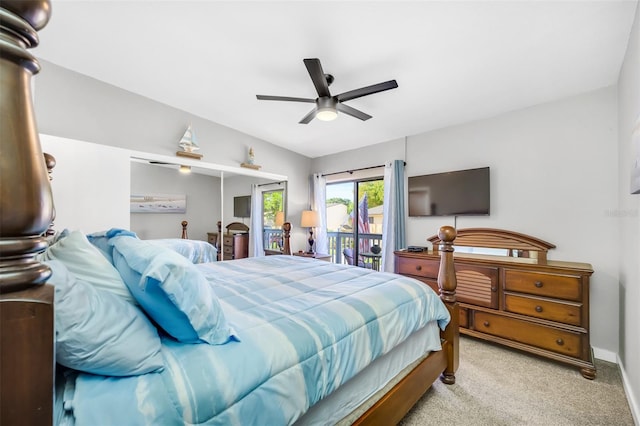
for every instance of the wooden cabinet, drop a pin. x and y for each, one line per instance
(235, 246)
(530, 304)
(212, 238)
(232, 245)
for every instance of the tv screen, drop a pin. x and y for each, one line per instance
(458, 193)
(242, 206)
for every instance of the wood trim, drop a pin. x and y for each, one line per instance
(499, 238)
(27, 356)
(394, 405)
(237, 226)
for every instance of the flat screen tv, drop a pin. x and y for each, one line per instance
(242, 206)
(457, 193)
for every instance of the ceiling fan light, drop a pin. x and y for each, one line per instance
(185, 169)
(326, 114)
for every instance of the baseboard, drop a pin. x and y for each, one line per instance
(605, 355)
(631, 398)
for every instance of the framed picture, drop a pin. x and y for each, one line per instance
(635, 152)
(158, 203)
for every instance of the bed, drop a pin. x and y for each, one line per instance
(259, 330)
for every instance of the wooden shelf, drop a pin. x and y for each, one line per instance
(250, 166)
(189, 155)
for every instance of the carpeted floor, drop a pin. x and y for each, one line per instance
(500, 386)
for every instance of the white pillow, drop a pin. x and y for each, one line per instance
(87, 263)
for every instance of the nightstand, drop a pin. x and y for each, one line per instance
(320, 256)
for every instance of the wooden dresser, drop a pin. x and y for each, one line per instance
(232, 245)
(528, 303)
(235, 246)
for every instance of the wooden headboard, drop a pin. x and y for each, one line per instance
(516, 244)
(26, 202)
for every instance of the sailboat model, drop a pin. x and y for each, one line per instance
(188, 144)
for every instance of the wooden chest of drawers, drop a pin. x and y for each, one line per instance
(538, 308)
(235, 246)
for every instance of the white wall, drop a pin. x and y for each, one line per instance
(627, 221)
(72, 105)
(89, 205)
(554, 172)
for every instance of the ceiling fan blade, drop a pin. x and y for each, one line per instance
(369, 90)
(284, 98)
(317, 76)
(352, 112)
(307, 118)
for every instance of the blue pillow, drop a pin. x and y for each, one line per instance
(171, 290)
(101, 241)
(99, 332)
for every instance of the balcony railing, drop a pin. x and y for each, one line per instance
(338, 241)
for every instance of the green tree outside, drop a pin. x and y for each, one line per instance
(272, 203)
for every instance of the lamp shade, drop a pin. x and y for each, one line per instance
(309, 219)
(279, 220)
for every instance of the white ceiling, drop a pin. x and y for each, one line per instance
(454, 61)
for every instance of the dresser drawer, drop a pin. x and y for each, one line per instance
(212, 238)
(565, 312)
(561, 341)
(227, 240)
(542, 284)
(464, 317)
(476, 284)
(227, 249)
(418, 267)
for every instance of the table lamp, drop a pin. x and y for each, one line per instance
(309, 220)
(279, 220)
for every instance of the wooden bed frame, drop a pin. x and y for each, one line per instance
(26, 302)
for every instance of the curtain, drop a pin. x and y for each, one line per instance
(393, 221)
(256, 220)
(319, 204)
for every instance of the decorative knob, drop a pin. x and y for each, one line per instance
(560, 342)
(419, 268)
(486, 323)
(538, 308)
(538, 284)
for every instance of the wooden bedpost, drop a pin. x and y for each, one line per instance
(26, 203)
(50, 162)
(286, 235)
(447, 284)
(184, 224)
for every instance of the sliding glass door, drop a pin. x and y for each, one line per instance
(354, 221)
(272, 218)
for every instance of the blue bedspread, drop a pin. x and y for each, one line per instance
(305, 327)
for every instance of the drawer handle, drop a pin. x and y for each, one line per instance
(538, 308)
(560, 342)
(486, 323)
(419, 268)
(538, 284)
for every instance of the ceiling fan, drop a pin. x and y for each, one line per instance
(327, 106)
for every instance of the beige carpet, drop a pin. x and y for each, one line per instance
(500, 386)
